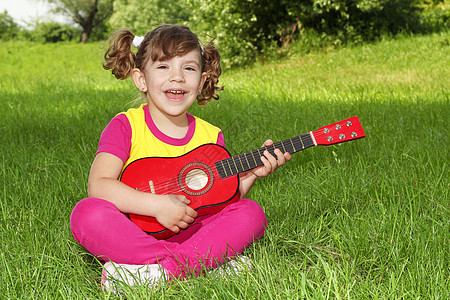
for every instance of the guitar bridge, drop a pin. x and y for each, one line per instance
(152, 187)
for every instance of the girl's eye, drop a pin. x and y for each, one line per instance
(190, 68)
(162, 67)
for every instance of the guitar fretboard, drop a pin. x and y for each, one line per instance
(249, 160)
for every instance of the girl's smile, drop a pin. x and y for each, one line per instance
(172, 85)
(175, 95)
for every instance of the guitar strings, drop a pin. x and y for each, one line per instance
(169, 184)
(172, 185)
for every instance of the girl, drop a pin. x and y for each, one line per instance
(173, 70)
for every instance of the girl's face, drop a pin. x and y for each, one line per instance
(172, 85)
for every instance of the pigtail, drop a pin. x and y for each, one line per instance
(119, 58)
(211, 65)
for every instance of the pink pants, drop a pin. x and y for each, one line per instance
(109, 235)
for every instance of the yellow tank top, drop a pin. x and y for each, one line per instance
(148, 141)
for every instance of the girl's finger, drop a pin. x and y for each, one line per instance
(268, 143)
(267, 161)
(191, 212)
(272, 160)
(281, 159)
(183, 225)
(188, 219)
(174, 228)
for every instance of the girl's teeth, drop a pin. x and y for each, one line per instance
(176, 92)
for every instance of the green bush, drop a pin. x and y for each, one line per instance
(435, 15)
(51, 32)
(142, 16)
(8, 28)
(247, 28)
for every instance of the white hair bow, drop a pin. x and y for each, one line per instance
(137, 41)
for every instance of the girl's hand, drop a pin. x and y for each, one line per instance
(173, 212)
(270, 163)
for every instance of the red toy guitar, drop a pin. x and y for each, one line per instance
(208, 175)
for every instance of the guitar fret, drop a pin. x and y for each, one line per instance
(235, 165)
(245, 160)
(258, 161)
(288, 146)
(283, 147)
(301, 140)
(259, 152)
(293, 147)
(248, 164)
(223, 167)
(233, 170)
(239, 157)
(229, 167)
(294, 143)
(254, 159)
(249, 155)
(306, 140)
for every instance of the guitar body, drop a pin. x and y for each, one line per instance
(192, 175)
(208, 175)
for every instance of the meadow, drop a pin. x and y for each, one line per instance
(365, 219)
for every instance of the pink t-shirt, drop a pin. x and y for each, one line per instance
(116, 137)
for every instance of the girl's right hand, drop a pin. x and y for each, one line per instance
(173, 212)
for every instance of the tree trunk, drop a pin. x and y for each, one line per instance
(85, 35)
(87, 23)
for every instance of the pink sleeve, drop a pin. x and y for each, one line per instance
(220, 140)
(116, 138)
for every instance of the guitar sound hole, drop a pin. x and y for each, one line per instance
(196, 179)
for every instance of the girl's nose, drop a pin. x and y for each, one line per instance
(176, 75)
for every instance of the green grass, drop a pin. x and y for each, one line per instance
(366, 219)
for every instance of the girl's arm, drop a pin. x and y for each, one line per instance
(270, 164)
(171, 211)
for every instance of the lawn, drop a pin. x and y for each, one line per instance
(365, 219)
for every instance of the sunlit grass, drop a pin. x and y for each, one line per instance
(366, 219)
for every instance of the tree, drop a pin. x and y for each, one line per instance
(8, 28)
(142, 16)
(86, 13)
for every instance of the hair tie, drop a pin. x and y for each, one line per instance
(137, 41)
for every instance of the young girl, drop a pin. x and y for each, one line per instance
(173, 70)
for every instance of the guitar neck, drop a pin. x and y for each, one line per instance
(252, 159)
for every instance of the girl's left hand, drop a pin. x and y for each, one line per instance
(270, 163)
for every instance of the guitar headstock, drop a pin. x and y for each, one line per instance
(339, 132)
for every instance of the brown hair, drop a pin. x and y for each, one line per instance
(160, 44)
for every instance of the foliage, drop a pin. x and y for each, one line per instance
(51, 32)
(435, 15)
(241, 28)
(8, 28)
(86, 13)
(244, 28)
(142, 16)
